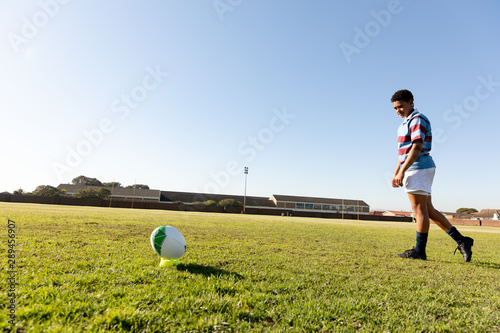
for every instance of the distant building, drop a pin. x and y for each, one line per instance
(118, 193)
(285, 202)
(487, 214)
(190, 197)
(397, 213)
(347, 206)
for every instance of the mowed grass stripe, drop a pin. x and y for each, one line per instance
(93, 269)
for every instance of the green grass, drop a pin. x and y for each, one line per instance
(93, 269)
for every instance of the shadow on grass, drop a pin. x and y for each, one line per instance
(207, 270)
(486, 264)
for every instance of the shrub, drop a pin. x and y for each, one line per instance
(139, 186)
(466, 210)
(230, 203)
(210, 203)
(86, 181)
(49, 191)
(19, 192)
(93, 193)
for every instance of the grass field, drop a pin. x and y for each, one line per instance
(93, 269)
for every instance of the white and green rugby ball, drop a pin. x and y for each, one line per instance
(168, 242)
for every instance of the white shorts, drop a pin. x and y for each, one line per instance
(419, 181)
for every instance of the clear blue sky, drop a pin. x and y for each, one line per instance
(181, 95)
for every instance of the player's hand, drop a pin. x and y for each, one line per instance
(397, 181)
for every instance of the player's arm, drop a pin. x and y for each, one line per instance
(393, 182)
(415, 150)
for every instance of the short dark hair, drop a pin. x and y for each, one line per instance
(402, 95)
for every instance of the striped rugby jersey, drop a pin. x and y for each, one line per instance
(416, 126)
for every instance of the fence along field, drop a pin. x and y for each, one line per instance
(187, 207)
(92, 269)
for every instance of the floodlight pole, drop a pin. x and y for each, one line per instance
(245, 196)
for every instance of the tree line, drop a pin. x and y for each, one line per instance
(96, 189)
(99, 190)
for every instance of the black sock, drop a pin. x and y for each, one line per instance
(456, 235)
(421, 242)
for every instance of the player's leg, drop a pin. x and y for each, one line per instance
(419, 207)
(420, 210)
(464, 243)
(436, 216)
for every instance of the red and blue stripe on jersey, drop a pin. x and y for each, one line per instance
(415, 127)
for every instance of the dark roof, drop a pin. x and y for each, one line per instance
(116, 191)
(188, 197)
(291, 198)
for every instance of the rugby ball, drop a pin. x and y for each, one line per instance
(168, 242)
